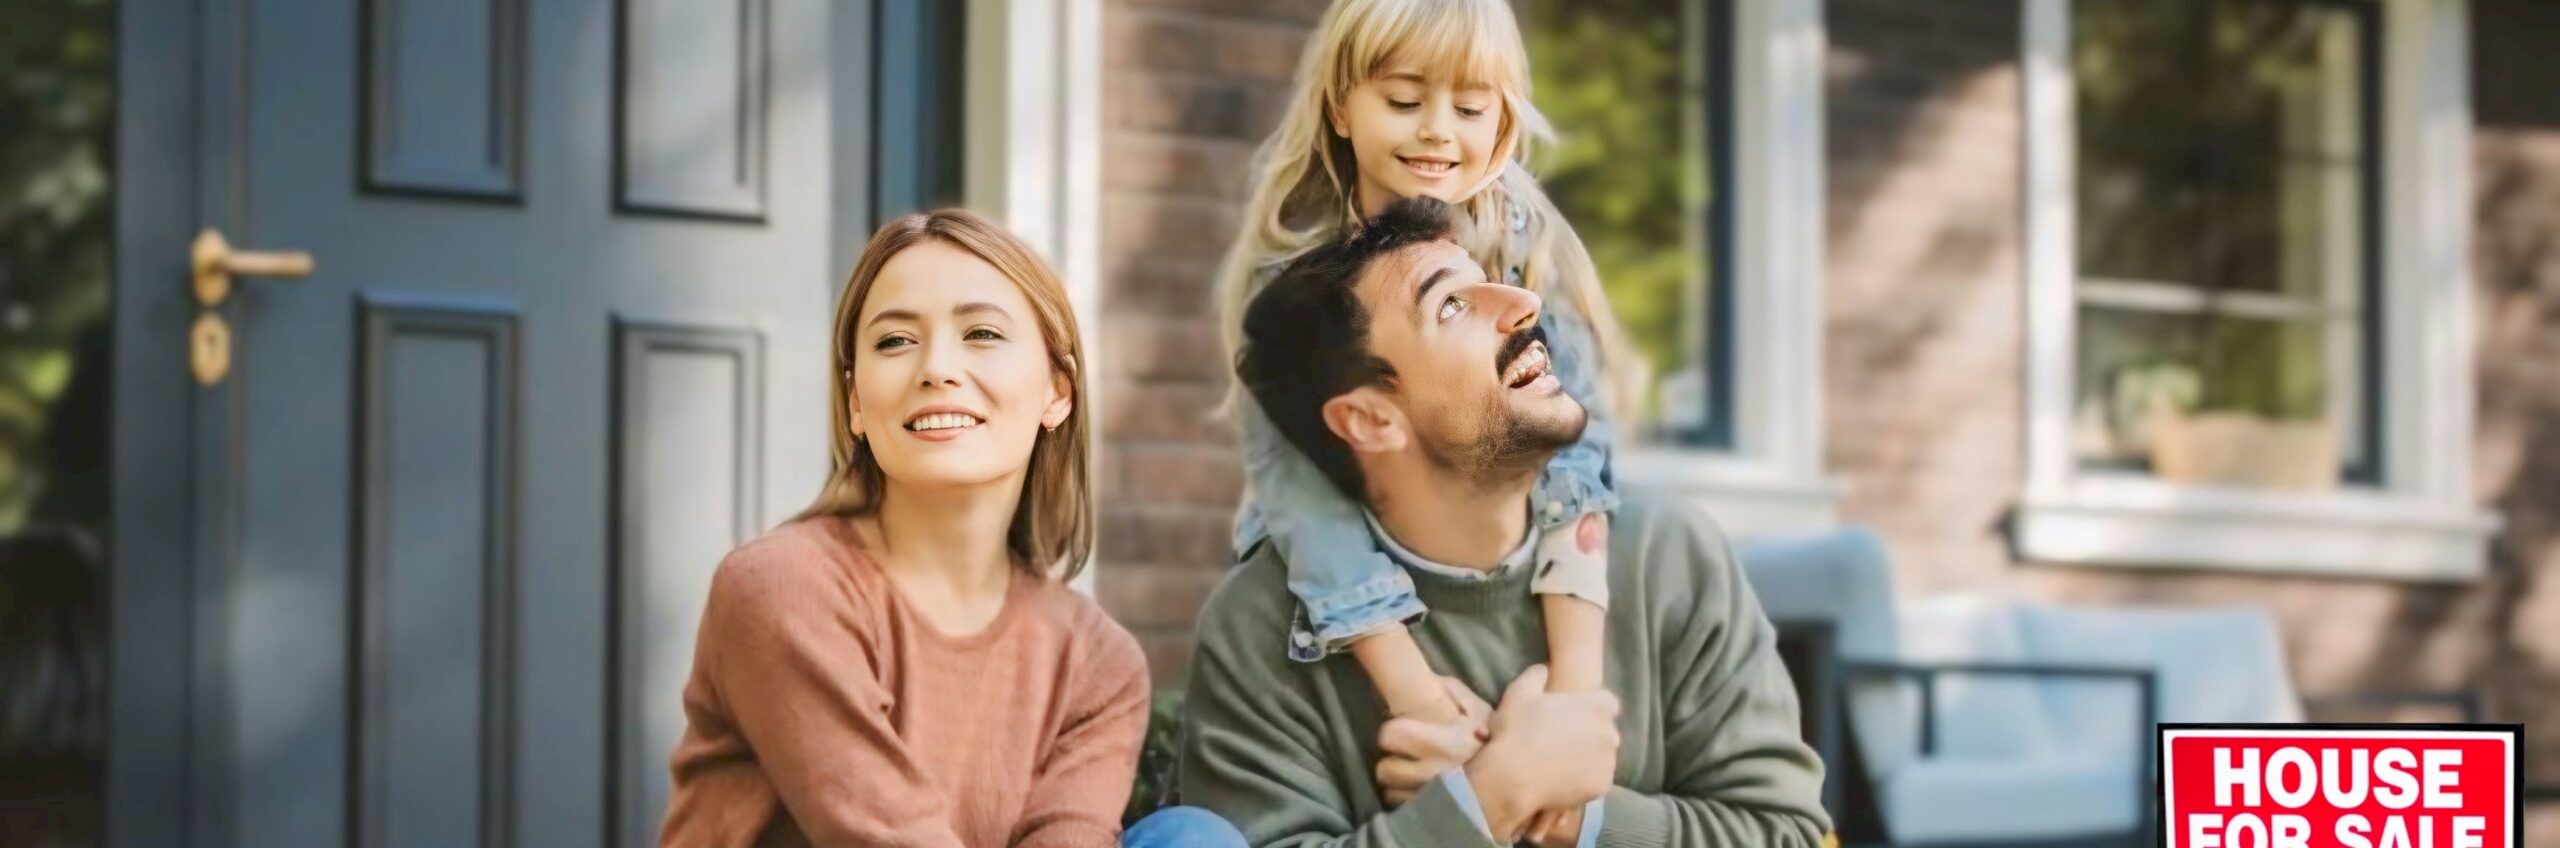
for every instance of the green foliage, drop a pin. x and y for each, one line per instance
(1627, 95)
(2194, 168)
(1156, 757)
(56, 138)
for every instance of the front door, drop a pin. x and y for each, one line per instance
(459, 490)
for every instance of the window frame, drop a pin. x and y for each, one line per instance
(1716, 351)
(1768, 475)
(2154, 297)
(2416, 520)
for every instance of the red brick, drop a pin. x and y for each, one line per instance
(1161, 598)
(1173, 227)
(1151, 348)
(1166, 534)
(1191, 43)
(1282, 11)
(1178, 165)
(1168, 657)
(1151, 411)
(1205, 106)
(1195, 475)
(1164, 286)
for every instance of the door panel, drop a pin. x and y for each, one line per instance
(565, 345)
(686, 451)
(692, 116)
(443, 97)
(433, 579)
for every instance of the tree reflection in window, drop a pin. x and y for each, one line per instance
(2225, 161)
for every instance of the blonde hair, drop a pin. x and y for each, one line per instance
(1305, 180)
(1052, 530)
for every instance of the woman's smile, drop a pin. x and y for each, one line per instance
(943, 423)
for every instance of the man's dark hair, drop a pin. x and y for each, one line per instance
(1306, 336)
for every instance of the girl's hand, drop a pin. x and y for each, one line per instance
(1412, 751)
(1555, 828)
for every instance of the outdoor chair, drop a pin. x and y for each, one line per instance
(1982, 720)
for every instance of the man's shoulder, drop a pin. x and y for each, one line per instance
(1647, 520)
(1255, 591)
(1251, 606)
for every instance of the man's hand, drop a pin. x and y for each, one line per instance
(1412, 751)
(1549, 751)
(1555, 828)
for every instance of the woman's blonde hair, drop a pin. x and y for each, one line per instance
(1052, 531)
(1306, 183)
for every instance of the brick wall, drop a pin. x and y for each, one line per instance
(1924, 334)
(1190, 86)
(1924, 331)
(2516, 267)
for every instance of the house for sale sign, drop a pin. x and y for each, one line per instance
(2340, 786)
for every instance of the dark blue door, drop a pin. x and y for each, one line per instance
(459, 490)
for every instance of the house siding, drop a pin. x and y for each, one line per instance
(1924, 339)
(1190, 87)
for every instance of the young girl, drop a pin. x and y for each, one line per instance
(1399, 98)
(902, 663)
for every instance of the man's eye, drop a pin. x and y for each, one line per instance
(1451, 307)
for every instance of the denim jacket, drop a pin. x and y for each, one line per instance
(1345, 585)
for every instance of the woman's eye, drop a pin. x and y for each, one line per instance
(1402, 105)
(1470, 111)
(889, 342)
(1451, 307)
(983, 334)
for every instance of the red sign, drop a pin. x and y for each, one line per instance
(2340, 786)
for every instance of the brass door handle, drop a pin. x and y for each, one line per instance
(214, 263)
(211, 264)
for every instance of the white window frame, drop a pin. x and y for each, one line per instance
(1033, 160)
(1771, 478)
(2420, 522)
(1033, 131)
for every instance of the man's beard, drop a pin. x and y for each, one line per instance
(1515, 446)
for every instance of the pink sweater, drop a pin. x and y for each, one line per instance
(824, 710)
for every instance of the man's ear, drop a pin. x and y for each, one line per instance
(1367, 420)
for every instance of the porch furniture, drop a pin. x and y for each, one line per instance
(1984, 720)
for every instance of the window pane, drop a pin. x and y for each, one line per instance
(2223, 160)
(2134, 363)
(1628, 85)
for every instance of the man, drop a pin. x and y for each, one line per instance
(1421, 389)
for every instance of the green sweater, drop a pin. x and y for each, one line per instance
(1711, 753)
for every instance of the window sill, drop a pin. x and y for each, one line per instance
(2355, 532)
(1745, 498)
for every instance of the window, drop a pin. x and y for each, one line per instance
(2225, 266)
(1633, 88)
(2248, 294)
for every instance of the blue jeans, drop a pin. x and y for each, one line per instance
(1182, 827)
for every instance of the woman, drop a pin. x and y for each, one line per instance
(902, 664)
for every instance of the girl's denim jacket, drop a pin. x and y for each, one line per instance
(1346, 586)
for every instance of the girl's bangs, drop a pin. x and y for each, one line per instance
(1472, 42)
